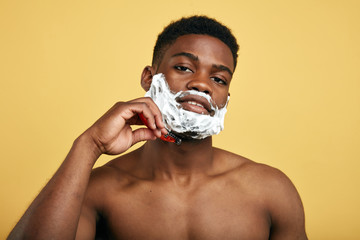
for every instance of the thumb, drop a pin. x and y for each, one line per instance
(143, 134)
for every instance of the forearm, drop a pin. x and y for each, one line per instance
(55, 212)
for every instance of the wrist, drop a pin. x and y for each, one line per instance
(89, 146)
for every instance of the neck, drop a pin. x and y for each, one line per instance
(189, 160)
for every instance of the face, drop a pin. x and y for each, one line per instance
(186, 123)
(201, 63)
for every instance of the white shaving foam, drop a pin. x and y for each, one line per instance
(179, 120)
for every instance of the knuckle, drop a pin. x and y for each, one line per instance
(117, 104)
(144, 105)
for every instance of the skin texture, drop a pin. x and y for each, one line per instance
(161, 190)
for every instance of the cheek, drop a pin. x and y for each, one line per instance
(220, 98)
(222, 103)
(175, 83)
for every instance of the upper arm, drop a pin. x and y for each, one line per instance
(286, 209)
(89, 212)
(87, 223)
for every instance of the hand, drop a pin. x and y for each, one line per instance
(112, 133)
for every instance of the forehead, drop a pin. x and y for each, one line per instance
(207, 48)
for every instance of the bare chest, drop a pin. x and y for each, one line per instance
(148, 212)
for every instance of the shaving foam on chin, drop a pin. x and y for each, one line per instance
(178, 120)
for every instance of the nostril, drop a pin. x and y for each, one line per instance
(200, 85)
(196, 89)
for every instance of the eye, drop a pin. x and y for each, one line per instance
(219, 81)
(183, 69)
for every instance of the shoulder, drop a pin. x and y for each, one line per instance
(276, 192)
(109, 179)
(246, 168)
(104, 183)
(264, 176)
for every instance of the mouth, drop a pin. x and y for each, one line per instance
(196, 104)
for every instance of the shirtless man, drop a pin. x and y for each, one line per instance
(163, 190)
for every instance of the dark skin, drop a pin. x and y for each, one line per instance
(161, 190)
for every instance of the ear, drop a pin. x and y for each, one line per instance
(146, 77)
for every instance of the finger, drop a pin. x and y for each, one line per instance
(153, 120)
(132, 111)
(144, 121)
(143, 134)
(155, 111)
(148, 117)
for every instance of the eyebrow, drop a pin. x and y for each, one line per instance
(186, 54)
(196, 58)
(223, 68)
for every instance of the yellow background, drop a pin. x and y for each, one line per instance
(295, 97)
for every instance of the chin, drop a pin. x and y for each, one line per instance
(188, 136)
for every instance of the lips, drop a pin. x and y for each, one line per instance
(196, 104)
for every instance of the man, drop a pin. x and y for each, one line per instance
(189, 190)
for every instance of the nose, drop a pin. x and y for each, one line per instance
(200, 83)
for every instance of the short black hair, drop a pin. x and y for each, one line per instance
(194, 25)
